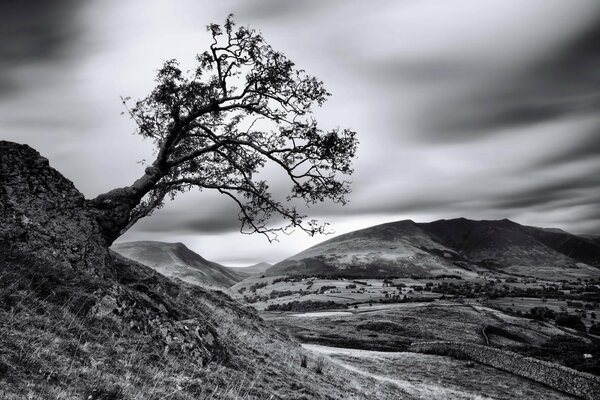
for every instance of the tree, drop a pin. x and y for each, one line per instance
(570, 321)
(244, 106)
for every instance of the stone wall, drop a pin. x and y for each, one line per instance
(561, 378)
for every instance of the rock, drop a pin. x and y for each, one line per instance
(42, 212)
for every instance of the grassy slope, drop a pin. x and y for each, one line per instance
(394, 249)
(176, 260)
(405, 248)
(393, 327)
(439, 377)
(143, 336)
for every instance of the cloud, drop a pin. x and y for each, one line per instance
(33, 33)
(580, 147)
(462, 108)
(553, 86)
(199, 213)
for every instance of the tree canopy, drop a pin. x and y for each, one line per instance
(243, 106)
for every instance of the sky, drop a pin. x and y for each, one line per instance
(463, 108)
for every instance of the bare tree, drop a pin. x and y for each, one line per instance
(216, 127)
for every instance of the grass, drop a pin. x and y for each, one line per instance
(319, 365)
(142, 336)
(393, 327)
(438, 377)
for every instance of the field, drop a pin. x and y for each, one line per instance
(392, 327)
(524, 304)
(343, 291)
(436, 377)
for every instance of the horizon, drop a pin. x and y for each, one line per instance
(326, 238)
(485, 112)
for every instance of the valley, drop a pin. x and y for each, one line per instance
(367, 297)
(364, 299)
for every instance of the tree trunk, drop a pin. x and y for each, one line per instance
(114, 209)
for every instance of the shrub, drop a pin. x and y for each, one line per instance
(323, 289)
(258, 285)
(308, 305)
(570, 321)
(541, 313)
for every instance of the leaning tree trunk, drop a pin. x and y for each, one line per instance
(116, 210)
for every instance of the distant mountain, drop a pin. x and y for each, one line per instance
(457, 246)
(509, 243)
(592, 238)
(176, 260)
(252, 270)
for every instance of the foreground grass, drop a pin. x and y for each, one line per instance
(139, 335)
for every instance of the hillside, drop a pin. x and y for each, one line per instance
(448, 247)
(176, 260)
(78, 321)
(509, 243)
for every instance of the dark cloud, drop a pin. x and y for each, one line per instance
(586, 147)
(564, 83)
(194, 213)
(572, 191)
(267, 9)
(33, 32)
(445, 131)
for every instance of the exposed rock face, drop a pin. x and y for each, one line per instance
(42, 212)
(43, 216)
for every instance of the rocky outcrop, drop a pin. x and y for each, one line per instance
(42, 212)
(63, 292)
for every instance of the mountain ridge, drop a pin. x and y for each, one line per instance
(177, 260)
(448, 246)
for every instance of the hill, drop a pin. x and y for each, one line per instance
(79, 321)
(448, 247)
(509, 243)
(256, 269)
(176, 260)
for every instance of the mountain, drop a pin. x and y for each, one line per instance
(252, 270)
(176, 260)
(457, 246)
(508, 243)
(398, 248)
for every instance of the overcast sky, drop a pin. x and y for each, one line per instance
(482, 109)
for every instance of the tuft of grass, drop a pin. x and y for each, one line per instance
(303, 360)
(319, 364)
